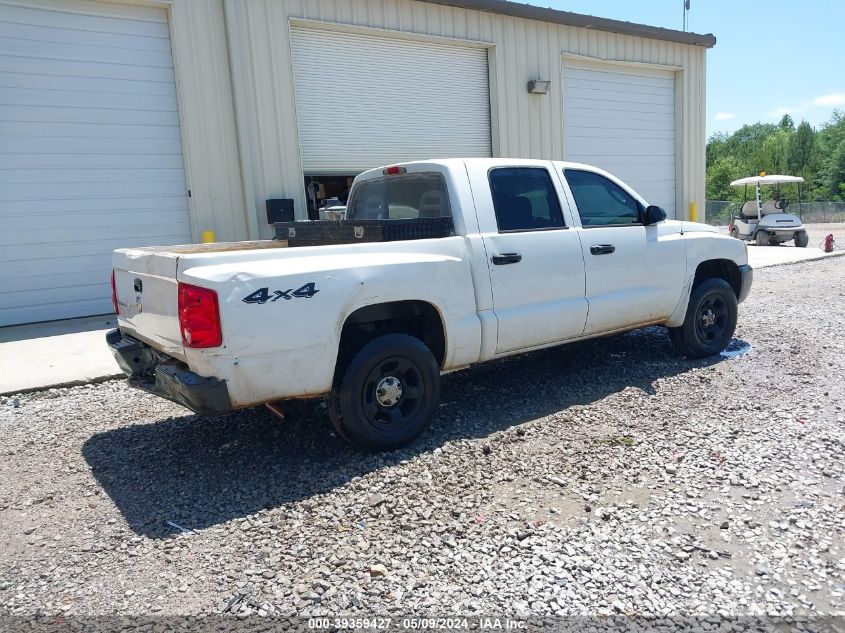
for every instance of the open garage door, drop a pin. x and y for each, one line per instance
(364, 101)
(622, 119)
(90, 151)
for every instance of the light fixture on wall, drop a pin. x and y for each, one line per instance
(539, 86)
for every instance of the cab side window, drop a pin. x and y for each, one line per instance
(525, 199)
(600, 201)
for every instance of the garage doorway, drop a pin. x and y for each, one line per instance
(622, 118)
(326, 193)
(364, 100)
(92, 152)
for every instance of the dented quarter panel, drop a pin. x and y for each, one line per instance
(288, 347)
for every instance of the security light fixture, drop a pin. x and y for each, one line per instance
(539, 86)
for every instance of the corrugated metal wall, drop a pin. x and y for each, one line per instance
(523, 125)
(210, 142)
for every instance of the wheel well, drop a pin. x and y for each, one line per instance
(417, 318)
(720, 269)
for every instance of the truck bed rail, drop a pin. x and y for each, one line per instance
(322, 232)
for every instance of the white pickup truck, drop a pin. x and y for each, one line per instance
(541, 253)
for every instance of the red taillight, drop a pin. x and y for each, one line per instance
(394, 170)
(114, 295)
(199, 317)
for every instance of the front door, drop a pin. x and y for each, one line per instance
(534, 257)
(635, 273)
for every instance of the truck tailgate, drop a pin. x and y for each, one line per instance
(147, 297)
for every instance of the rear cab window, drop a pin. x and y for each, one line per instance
(600, 201)
(524, 199)
(400, 197)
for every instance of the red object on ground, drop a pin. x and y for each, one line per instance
(827, 247)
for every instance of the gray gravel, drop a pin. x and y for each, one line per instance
(609, 477)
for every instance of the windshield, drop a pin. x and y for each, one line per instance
(400, 197)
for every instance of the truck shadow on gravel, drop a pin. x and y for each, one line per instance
(198, 472)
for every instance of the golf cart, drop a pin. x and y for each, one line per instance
(768, 223)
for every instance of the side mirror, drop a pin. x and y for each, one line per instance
(653, 214)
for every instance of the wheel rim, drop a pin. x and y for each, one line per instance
(711, 318)
(393, 393)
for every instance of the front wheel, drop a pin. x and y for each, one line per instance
(387, 395)
(710, 320)
(802, 239)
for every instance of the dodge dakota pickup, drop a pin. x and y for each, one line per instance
(538, 253)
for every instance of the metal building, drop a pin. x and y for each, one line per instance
(140, 122)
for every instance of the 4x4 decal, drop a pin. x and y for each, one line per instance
(263, 295)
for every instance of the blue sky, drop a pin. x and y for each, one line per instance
(771, 56)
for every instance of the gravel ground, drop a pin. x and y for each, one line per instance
(608, 477)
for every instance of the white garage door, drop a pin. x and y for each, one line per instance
(366, 101)
(623, 121)
(90, 152)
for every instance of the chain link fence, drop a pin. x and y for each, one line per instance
(720, 212)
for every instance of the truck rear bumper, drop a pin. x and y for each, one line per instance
(746, 274)
(148, 369)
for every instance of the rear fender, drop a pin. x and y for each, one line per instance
(281, 343)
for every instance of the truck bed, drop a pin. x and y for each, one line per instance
(215, 247)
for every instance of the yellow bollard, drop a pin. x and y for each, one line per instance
(693, 212)
(208, 237)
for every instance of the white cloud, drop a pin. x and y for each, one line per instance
(835, 99)
(724, 116)
(823, 101)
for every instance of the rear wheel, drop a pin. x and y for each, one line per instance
(710, 320)
(762, 238)
(387, 395)
(802, 239)
(735, 232)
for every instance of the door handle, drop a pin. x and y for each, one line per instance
(602, 249)
(507, 258)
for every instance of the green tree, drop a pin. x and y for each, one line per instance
(719, 177)
(772, 154)
(834, 177)
(817, 155)
(802, 147)
(717, 147)
(829, 144)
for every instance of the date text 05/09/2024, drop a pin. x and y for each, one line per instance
(418, 623)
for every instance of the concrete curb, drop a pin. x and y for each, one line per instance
(64, 385)
(817, 258)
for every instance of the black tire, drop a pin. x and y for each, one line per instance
(409, 377)
(710, 320)
(762, 238)
(735, 233)
(802, 239)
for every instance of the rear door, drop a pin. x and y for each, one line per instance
(534, 257)
(634, 273)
